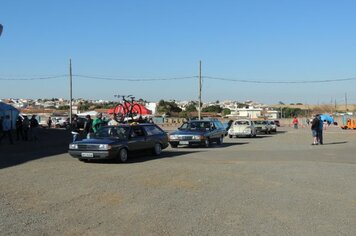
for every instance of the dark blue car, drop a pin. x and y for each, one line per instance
(115, 142)
(198, 132)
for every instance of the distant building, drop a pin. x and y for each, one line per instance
(248, 111)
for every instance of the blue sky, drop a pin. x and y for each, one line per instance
(252, 40)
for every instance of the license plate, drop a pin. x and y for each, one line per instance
(183, 142)
(87, 154)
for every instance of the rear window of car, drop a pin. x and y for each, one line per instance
(112, 132)
(242, 122)
(152, 130)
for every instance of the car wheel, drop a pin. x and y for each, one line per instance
(123, 155)
(207, 143)
(220, 140)
(230, 136)
(157, 149)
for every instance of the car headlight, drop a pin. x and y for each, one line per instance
(73, 146)
(172, 137)
(104, 147)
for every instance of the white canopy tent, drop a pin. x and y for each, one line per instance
(6, 109)
(91, 113)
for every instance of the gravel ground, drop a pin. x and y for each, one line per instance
(275, 184)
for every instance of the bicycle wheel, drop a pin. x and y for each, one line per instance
(120, 112)
(135, 110)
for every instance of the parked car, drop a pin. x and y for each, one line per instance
(273, 126)
(242, 128)
(59, 122)
(198, 132)
(263, 126)
(116, 142)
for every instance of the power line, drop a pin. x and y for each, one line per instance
(278, 82)
(115, 78)
(35, 78)
(134, 80)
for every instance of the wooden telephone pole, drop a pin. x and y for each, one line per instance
(70, 91)
(199, 106)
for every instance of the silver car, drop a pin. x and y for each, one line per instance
(242, 128)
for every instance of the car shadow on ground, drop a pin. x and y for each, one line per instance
(51, 142)
(281, 132)
(139, 157)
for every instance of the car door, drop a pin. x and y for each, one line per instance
(137, 139)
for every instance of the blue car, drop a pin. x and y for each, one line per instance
(198, 132)
(116, 142)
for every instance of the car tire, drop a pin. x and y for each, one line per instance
(157, 149)
(220, 140)
(123, 155)
(230, 136)
(207, 143)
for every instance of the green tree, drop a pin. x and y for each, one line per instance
(168, 107)
(226, 111)
(213, 108)
(191, 107)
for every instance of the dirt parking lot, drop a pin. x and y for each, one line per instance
(275, 184)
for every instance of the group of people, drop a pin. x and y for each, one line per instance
(26, 129)
(317, 125)
(90, 126)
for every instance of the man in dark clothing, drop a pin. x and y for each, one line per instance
(75, 128)
(6, 128)
(88, 127)
(34, 128)
(315, 129)
(19, 129)
(320, 131)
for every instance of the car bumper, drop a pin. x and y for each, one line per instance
(94, 155)
(187, 142)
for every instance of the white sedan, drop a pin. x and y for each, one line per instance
(242, 128)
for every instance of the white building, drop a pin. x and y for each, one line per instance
(248, 111)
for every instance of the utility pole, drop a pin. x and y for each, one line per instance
(346, 102)
(199, 110)
(70, 91)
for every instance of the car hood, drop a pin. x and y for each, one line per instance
(98, 141)
(188, 132)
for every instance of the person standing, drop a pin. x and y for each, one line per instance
(6, 127)
(113, 120)
(49, 122)
(320, 130)
(295, 122)
(19, 129)
(88, 127)
(75, 128)
(34, 128)
(25, 127)
(315, 129)
(97, 122)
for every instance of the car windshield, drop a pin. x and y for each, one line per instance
(112, 132)
(196, 126)
(242, 122)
